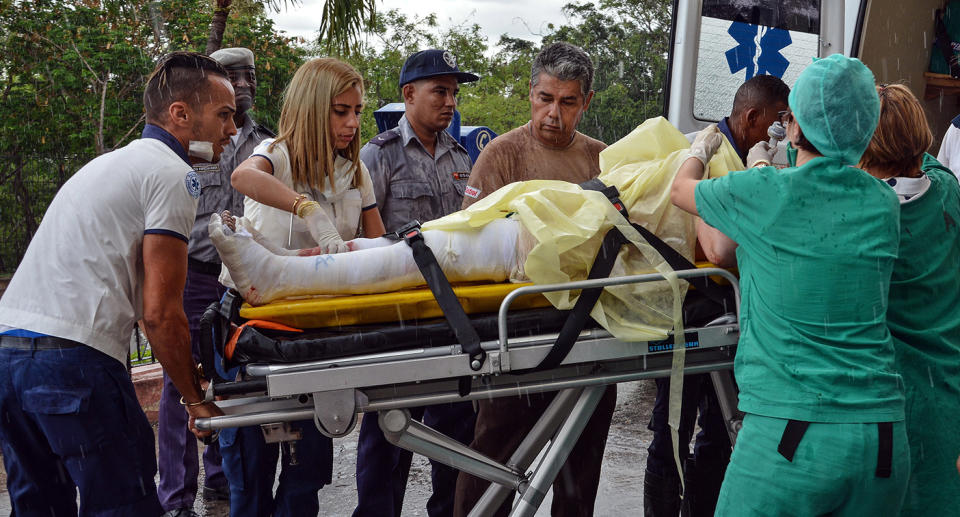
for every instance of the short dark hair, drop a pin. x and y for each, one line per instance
(566, 62)
(803, 143)
(178, 76)
(761, 92)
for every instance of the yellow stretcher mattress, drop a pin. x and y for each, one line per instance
(408, 305)
(335, 311)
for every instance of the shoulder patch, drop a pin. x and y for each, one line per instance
(385, 137)
(265, 130)
(193, 184)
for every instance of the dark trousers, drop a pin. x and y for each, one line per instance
(70, 421)
(382, 468)
(250, 465)
(502, 423)
(177, 446)
(712, 448)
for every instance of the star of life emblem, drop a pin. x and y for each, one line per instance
(193, 184)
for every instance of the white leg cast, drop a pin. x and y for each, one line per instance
(488, 254)
(365, 244)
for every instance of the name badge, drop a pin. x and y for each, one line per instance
(471, 192)
(461, 175)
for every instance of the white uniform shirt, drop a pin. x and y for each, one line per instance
(82, 275)
(342, 204)
(949, 154)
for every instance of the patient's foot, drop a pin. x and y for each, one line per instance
(245, 258)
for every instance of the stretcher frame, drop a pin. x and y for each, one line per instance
(333, 392)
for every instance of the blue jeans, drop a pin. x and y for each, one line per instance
(250, 465)
(70, 420)
(382, 468)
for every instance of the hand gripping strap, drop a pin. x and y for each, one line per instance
(452, 310)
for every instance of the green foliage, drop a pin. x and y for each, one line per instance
(72, 74)
(72, 77)
(628, 41)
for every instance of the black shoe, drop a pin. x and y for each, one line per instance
(702, 489)
(216, 493)
(181, 512)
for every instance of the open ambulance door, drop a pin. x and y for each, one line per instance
(718, 44)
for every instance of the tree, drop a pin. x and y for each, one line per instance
(341, 25)
(628, 41)
(73, 75)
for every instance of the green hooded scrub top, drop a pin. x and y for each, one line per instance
(816, 249)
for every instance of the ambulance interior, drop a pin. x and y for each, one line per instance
(718, 44)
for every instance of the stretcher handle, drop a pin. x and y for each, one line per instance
(603, 282)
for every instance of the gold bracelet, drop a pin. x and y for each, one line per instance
(184, 403)
(297, 201)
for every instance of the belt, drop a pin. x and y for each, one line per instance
(207, 268)
(795, 430)
(37, 343)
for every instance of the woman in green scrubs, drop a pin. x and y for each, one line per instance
(816, 244)
(924, 311)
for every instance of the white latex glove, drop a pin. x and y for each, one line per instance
(761, 152)
(321, 228)
(705, 144)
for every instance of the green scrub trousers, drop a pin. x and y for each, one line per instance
(833, 472)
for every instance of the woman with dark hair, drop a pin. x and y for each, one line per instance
(924, 311)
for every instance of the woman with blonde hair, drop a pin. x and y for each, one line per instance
(313, 163)
(923, 314)
(307, 188)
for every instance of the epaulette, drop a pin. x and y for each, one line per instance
(385, 137)
(260, 127)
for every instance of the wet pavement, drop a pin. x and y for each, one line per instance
(621, 484)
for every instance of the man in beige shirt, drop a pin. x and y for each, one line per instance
(547, 147)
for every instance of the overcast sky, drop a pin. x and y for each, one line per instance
(495, 17)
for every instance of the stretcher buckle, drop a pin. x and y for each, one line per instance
(407, 232)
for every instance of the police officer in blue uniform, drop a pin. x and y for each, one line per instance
(419, 172)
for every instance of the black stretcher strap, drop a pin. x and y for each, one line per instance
(676, 261)
(577, 319)
(885, 450)
(790, 440)
(210, 333)
(452, 310)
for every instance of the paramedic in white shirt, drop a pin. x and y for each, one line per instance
(111, 250)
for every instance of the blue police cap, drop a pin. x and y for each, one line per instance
(431, 63)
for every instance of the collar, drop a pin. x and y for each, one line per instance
(909, 189)
(247, 128)
(158, 133)
(444, 140)
(724, 128)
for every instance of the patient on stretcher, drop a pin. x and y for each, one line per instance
(542, 231)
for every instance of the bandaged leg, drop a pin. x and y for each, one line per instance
(487, 254)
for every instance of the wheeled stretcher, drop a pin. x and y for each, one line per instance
(362, 364)
(333, 391)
